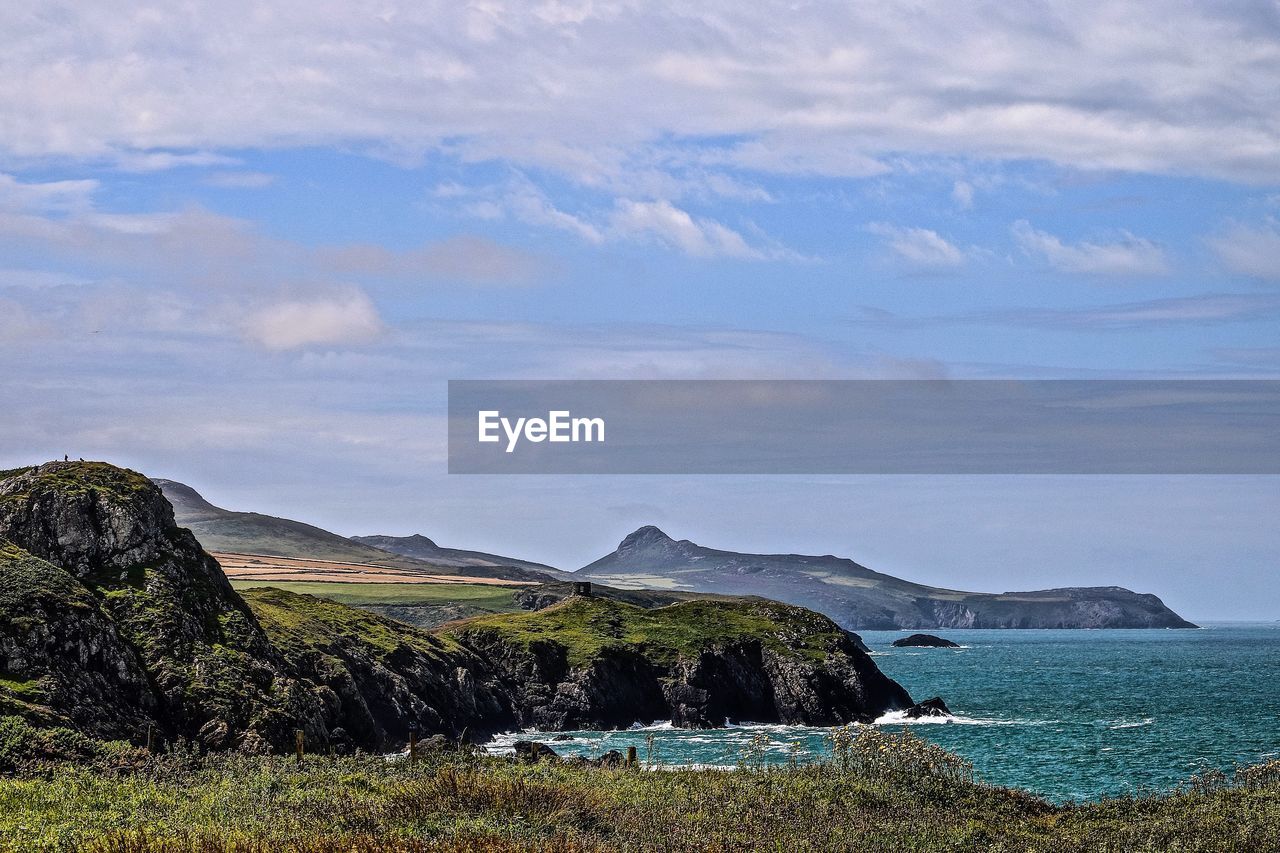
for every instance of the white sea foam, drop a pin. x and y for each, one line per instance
(1130, 724)
(899, 718)
(655, 726)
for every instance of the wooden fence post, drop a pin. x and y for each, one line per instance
(151, 738)
(632, 760)
(298, 743)
(413, 744)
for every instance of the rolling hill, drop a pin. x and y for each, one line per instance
(419, 547)
(224, 530)
(859, 598)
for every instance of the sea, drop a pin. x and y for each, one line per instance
(1071, 715)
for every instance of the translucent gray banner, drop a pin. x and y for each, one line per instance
(864, 427)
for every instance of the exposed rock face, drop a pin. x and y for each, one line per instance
(924, 641)
(859, 598)
(754, 661)
(213, 674)
(61, 657)
(91, 520)
(377, 677)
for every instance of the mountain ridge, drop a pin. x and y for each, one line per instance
(243, 532)
(419, 547)
(860, 598)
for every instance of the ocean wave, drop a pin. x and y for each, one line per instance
(899, 718)
(1129, 724)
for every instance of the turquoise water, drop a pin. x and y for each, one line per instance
(1070, 715)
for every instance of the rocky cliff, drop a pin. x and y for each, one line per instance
(62, 659)
(211, 675)
(379, 677)
(589, 662)
(114, 621)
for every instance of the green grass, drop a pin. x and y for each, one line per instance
(496, 598)
(75, 478)
(297, 624)
(585, 626)
(27, 581)
(24, 687)
(881, 792)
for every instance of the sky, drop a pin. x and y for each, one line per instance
(245, 245)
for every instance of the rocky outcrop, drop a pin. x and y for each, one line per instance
(532, 750)
(924, 641)
(214, 676)
(589, 663)
(934, 707)
(62, 660)
(378, 678)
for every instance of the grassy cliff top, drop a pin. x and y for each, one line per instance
(80, 477)
(587, 625)
(297, 624)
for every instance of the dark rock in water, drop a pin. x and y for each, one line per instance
(934, 707)
(532, 750)
(564, 737)
(924, 641)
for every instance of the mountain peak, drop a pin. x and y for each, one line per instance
(420, 540)
(646, 536)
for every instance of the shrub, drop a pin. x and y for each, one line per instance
(22, 744)
(902, 759)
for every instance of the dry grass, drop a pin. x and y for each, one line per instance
(882, 792)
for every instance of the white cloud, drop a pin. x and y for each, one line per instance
(348, 318)
(1130, 256)
(831, 89)
(529, 205)
(701, 238)
(47, 196)
(159, 161)
(628, 219)
(920, 248)
(1251, 251)
(962, 194)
